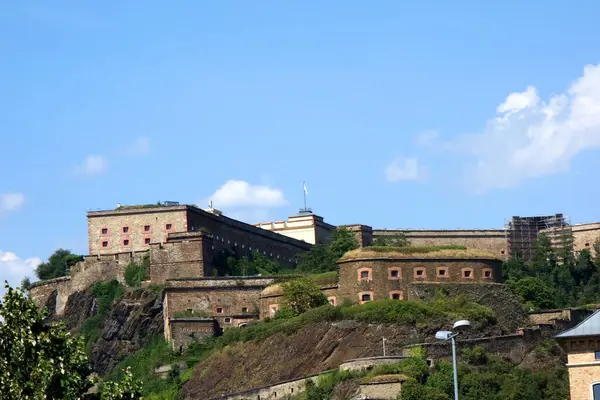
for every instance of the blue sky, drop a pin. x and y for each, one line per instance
(426, 115)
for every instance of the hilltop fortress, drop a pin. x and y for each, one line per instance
(181, 244)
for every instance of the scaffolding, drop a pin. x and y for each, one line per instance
(522, 234)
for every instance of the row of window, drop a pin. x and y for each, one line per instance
(219, 310)
(243, 246)
(125, 242)
(125, 229)
(364, 297)
(395, 273)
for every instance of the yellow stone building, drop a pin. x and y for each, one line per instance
(582, 344)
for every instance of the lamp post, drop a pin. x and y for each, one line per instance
(383, 342)
(450, 335)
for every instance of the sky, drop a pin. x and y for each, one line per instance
(428, 114)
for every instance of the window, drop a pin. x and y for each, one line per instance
(442, 272)
(597, 354)
(394, 273)
(168, 227)
(227, 320)
(244, 309)
(364, 274)
(219, 310)
(364, 297)
(396, 295)
(125, 229)
(147, 241)
(146, 228)
(467, 273)
(126, 242)
(487, 273)
(420, 273)
(105, 244)
(596, 391)
(104, 231)
(331, 300)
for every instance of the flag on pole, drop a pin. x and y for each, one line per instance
(305, 189)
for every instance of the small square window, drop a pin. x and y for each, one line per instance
(442, 272)
(467, 274)
(125, 229)
(227, 320)
(147, 241)
(126, 242)
(366, 297)
(419, 272)
(487, 274)
(146, 228)
(597, 354)
(104, 231)
(394, 273)
(105, 244)
(396, 296)
(168, 226)
(219, 310)
(244, 309)
(364, 274)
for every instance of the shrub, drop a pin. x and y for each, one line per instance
(136, 273)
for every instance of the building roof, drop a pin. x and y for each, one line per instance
(588, 327)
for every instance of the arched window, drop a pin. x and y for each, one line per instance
(596, 391)
(364, 297)
(365, 274)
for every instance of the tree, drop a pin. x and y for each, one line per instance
(59, 264)
(534, 292)
(25, 284)
(301, 294)
(323, 257)
(44, 361)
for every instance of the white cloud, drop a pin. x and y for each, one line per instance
(246, 202)
(426, 138)
(11, 202)
(242, 194)
(405, 169)
(140, 147)
(530, 138)
(13, 269)
(92, 165)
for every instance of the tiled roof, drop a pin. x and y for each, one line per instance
(588, 327)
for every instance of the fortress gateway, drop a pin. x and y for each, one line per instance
(181, 244)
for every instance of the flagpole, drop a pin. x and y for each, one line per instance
(304, 191)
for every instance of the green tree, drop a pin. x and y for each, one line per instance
(323, 257)
(533, 292)
(44, 361)
(301, 294)
(25, 284)
(59, 264)
(136, 273)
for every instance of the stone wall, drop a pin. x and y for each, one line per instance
(143, 226)
(361, 364)
(585, 235)
(561, 318)
(184, 331)
(364, 234)
(381, 278)
(382, 387)
(84, 274)
(185, 255)
(492, 240)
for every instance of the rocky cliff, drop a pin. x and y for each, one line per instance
(130, 322)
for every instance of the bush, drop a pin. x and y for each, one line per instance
(136, 273)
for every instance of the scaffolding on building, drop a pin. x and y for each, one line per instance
(522, 234)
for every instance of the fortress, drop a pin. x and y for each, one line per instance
(182, 243)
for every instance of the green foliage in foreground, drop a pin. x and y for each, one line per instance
(301, 294)
(44, 361)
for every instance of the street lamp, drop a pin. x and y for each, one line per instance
(449, 335)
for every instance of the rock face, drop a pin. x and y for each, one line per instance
(133, 321)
